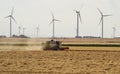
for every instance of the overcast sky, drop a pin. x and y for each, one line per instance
(31, 13)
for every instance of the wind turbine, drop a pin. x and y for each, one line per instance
(102, 20)
(19, 30)
(38, 31)
(11, 18)
(53, 21)
(78, 18)
(114, 29)
(24, 31)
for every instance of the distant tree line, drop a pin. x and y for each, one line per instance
(87, 37)
(15, 36)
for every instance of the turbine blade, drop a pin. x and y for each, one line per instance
(51, 22)
(100, 11)
(106, 15)
(52, 15)
(56, 20)
(38, 27)
(100, 20)
(19, 27)
(80, 17)
(13, 19)
(12, 11)
(7, 16)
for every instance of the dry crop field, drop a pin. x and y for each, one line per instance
(59, 62)
(79, 60)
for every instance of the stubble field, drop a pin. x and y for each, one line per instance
(79, 60)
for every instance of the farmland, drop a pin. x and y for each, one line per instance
(30, 59)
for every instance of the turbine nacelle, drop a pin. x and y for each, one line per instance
(77, 11)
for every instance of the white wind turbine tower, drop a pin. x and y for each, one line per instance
(38, 30)
(78, 18)
(114, 30)
(53, 21)
(19, 30)
(11, 18)
(102, 21)
(24, 31)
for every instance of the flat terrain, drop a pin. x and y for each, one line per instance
(79, 60)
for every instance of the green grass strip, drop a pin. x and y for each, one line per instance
(93, 45)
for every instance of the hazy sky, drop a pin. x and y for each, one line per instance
(31, 13)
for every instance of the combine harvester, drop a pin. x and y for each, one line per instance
(54, 45)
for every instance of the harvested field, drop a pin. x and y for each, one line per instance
(59, 62)
(24, 56)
